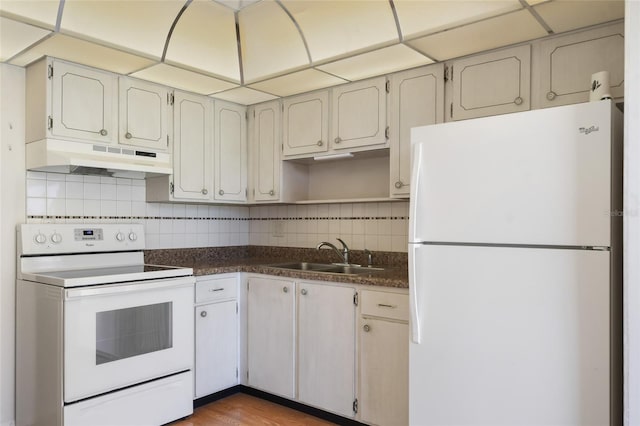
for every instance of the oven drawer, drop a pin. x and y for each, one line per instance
(385, 305)
(211, 289)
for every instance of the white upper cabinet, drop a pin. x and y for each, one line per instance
(416, 99)
(145, 111)
(266, 148)
(230, 152)
(491, 84)
(306, 124)
(565, 65)
(71, 102)
(192, 147)
(359, 114)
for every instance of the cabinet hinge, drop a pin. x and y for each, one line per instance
(50, 72)
(167, 140)
(451, 110)
(446, 74)
(236, 373)
(254, 113)
(387, 86)
(50, 122)
(247, 375)
(355, 406)
(386, 133)
(246, 115)
(236, 313)
(171, 188)
(355, 298)
(170, 98)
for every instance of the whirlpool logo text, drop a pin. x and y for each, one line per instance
(587, 130)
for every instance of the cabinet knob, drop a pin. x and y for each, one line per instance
(399, 184)
(366, 328)
(128, 135)
(518, 101)
(272, 192)
(104, 132)
(285, 289)
(320, 143)
(204, 191)
(337, 140)
(203, 314)
(551, 95)
(303, 291)
(221, 192)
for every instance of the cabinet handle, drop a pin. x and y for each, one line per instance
(285, 289)
(221, 192)
(303, 291)
(399, 184)
(128, 135)
(104, 132)
(337, 140)
(366, 328)
(272, 192)
(518, 101)
(320, 143)
(203, 314)
(551, 95)
(204, 191)
(382, 305)
(216, 289)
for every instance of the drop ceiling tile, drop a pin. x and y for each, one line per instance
(271, 43)
(16, 36)
(37, 12)
(298, 82)
(84, 52)
(335, 29)
(569, 15)
(488, 34)
(205, 39)
(378, 62)
(183, 79)
(244, 96)
(419, 18)
(138, 26)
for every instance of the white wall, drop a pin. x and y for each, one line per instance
(631, 322)
(12, 194)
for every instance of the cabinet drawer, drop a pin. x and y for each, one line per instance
(216, 289)
(385, 305)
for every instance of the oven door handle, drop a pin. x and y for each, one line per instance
(133, 287)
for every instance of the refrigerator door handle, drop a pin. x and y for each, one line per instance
(416, 167)
(413, 295)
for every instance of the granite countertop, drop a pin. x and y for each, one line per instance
(256, 259)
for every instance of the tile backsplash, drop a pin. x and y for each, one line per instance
(54, 197)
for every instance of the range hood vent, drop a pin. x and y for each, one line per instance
(71, 157)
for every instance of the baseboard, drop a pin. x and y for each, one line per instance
(216, 396)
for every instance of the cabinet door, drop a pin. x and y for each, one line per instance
(306, 124)
(192, 147)
(144, 114)
(216, 347)
(416, 100)
(566, 64)
(270, 336)
(359, 115)
(491, 84)
(266, 151)
(230, 156)
(384, 372)
(326, 345)
(84, 103)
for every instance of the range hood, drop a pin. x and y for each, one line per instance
(63, 156)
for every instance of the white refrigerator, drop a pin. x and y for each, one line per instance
(514, 269)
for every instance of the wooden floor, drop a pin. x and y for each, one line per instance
(242, 409)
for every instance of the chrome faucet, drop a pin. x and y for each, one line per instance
(344, 253)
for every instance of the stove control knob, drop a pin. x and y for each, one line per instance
(40, 238)
(133, 236)
(120, 236)
(56, 238)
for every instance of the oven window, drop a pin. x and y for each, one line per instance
(124, 333)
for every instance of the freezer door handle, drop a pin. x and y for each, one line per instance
(413, 295)
(416, 168)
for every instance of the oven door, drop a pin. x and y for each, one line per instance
(119, 335)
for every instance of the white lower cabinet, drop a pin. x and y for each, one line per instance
(326, 347)
(216, 320)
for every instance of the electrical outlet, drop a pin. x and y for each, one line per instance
(278, 228)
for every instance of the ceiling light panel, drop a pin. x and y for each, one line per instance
(17, 36)
(480, 36)
(335, 29)
(205, 39)
(183, 79)
(569, 15)
(37, 12)
(139, 26)
(83, 52)
(378, 62)
(271, 43)
(236, 4)
(244, 96)
(298, 82)
(419, 18)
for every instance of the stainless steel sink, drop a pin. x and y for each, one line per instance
(328, 268)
